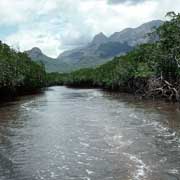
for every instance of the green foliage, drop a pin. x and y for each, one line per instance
(18, 72)
(143, 70)
(55, 79)
(169, 47)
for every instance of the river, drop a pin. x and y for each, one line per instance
(88, 134)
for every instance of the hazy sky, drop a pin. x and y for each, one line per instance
(58, 25)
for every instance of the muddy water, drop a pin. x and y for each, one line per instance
(87, 134)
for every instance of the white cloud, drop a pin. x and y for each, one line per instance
(22, 11)
(57, 25)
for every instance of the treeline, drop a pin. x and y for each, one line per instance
(149, 70)
(18, 74)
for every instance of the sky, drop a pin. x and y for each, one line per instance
(58, 25)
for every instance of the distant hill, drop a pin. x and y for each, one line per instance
(51, 64)
(99, 51)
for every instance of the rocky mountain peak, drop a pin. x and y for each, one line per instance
(99, 39)
(36, 50)
(35, 53)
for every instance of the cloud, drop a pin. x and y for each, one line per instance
(22, 11)
(58, 25)
(125, 1)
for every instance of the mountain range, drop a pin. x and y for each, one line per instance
(100, 50)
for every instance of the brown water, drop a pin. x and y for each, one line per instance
(87, 134)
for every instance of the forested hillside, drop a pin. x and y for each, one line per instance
(149, 70)
(18, 74)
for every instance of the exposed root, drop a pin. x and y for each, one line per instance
(164, 89)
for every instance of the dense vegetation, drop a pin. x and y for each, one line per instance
(18, 74)
(150, 69)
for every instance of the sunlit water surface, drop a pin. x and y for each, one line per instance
(88, 134)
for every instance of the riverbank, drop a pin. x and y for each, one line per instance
(19, 75)
(153, 88)
(7, 96)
